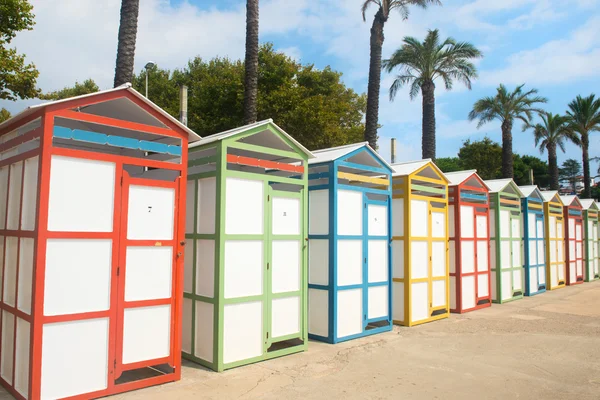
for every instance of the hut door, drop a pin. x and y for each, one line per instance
(482, 256)
(579, 250)
(148, 255)
(593, 254)
(285, 300)
(438, 278)
(376, 244)
(516, 261)
(541, 254)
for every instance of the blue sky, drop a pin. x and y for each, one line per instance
(552, 45)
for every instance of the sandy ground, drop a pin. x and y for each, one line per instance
(547, 346)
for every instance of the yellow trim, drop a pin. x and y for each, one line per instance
(361, 178)
(536, 206)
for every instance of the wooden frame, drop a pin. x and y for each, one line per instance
(573, 215)
(532, 206)
(555, 240)
(591, 250)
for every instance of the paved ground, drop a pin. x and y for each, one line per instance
(546, 346)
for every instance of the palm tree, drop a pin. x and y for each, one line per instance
(127, 37)
(506, 107)
(251, 64)
(550, 135)
(584, 118)
(385, 7)
(421, 64)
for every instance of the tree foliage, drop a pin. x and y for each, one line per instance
(483, 155)
(569, 171)
(312, 105)
(4, 115)
(18, 79)
(522, 165)
(449, 164)
(86, 87)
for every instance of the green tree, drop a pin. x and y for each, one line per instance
(126, 44)
(384, 9)
(569, 172)
(584, 118)
(313, 105)
(551, 135)
(449, 164)
(86, 87)
(483, 155)
(251, 63)
(421, 64)
(507, 106)
(4, 114)
(522, 166)
(18, 80)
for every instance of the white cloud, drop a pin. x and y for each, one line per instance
(556, 62)
(292, 52)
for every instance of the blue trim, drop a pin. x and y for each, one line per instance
(318, 187)
(574, 212)
(319, 175)
(362, 189)
(362, 167)
(344, 160)
(474, 196)
(116, 141)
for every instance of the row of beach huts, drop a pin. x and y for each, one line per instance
(127, 242)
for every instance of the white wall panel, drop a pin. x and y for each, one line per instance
(377, 302)
(451, 222)
(468, 292)
(349, 312)
(377, 260)
(571, 228)
(74, 358)
(78, 275)
(14, 196)
(318, 312)
(350, 262)
(205, 268)
(516, 254)
(438, 225)
(242, 331)
(483, 289)
(190, 203)
(6, 352)
(482, 256)
(207, 198)
(377, 220)
(285, 316)
(438, 293)
(81, 195)
(151, 213)
(186, 326)
(30, 191)
(419, 302)
(482, 226)
(244, 201)
(138, 344)
(398, 259)
(350, 212)
(22, 357)
(286, 216)
(515, 227)
(419, 260)
(553, 251)
(517, 280)
(3, 195)
(397, 217)
(243, 267)
(505, 223)
(541, 255)
(188, 266)
(541, 272)
(506, 259)
(552, 230)
(318, 261)
(506, 285)
(540, 228)
(10, 270)
(560, 230)
(452, 258)
(561, 271)
(467, 223)
(25, 284)
(438, 259)
(398, 301)
(285, 272)
(148, 273)
(318, 212)
(204, 341)
(531, 225)
(453, 294)
(533, 252)
(467, 256)
(533, 280)
(418, 220)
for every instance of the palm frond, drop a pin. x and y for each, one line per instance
(366, 5)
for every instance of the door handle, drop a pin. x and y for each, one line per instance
(182, 243)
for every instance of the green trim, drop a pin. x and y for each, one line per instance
(201, 236)
(202, 161)
(202, 175)
(263, 177)
(428, 189)
(219, 259)
(198, 297)
(260, 149)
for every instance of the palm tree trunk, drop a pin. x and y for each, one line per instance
(372, 117)
(428, 139)
(251, 63)
(585, 146)
(127, 37)
(553, 167)
(507, 153)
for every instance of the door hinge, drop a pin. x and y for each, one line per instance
(121, 181)
(118, 271)
(268, 197)
(115, 363)
(267, 335)
(267, 266)
(365, 317)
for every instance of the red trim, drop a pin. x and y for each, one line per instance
(20, 157)
(255, 162)
(34, 134)
(10, 389)
(80, 235)
(15, 311)
(117, 123)
(147, 303)
(50, 319)
(90, 155)
(19, 234)
(146, 363)
(125, 387)
(20, 122)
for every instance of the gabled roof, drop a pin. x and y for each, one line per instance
(588, 204)
(236, 131)
(548, 195)
(458, 177)
(570, 200)
(530, 190)
(499, 185)
(192, 136)
(410, 167)
(333, 153)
